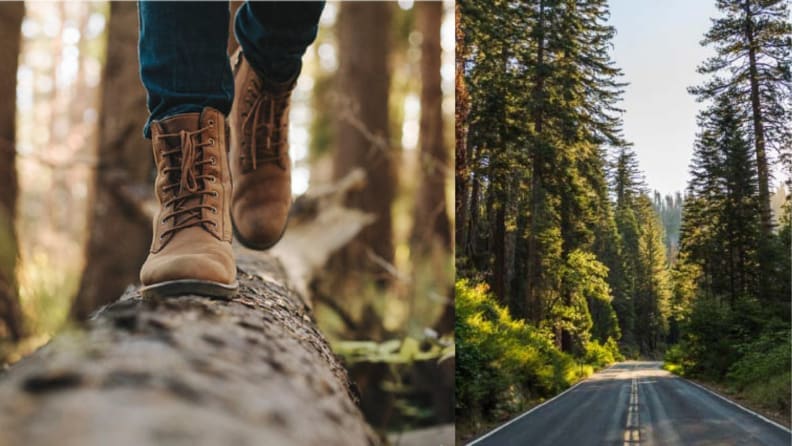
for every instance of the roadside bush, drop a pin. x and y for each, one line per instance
(503, 363)
(601, 355)
(676, 360)
(763, 371)
(746, 347)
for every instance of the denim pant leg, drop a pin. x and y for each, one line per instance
(275, 35)
(184, 63)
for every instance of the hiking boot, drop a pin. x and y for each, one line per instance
(191, 249)
(260, 164)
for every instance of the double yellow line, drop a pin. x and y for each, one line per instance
(632, 431)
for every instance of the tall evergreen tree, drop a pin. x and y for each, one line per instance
(721, 221)
(753, 44)
(543, 111)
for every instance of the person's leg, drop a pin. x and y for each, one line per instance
(185, 69)
(183, 57)
(275, 35)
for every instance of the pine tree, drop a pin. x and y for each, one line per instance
(721, 222)
(543, 96)
(652, 290)
(753, 43)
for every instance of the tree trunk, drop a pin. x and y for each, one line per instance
(362, 137)
(473, 211)
(253, 369)
(11, 15)
(499, 247)
(534, 264)
(119, 231)
(430, 242)
(759, 134)
(430, 225)
(462, 171)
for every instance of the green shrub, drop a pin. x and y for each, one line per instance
(763, 371)
(745, 347)
(676, 360)
(599, 355)
(503, 363)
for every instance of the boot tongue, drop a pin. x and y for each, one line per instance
(185, 177)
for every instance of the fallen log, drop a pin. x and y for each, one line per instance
(251, 370)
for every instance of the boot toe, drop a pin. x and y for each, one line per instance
(205, 267)
(260, 226)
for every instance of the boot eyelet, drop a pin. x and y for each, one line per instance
(211, 123)
(211, 141)
(213, 161)
(213, 180)
(215, 194)
(214, 210)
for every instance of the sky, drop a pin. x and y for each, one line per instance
(657, 47)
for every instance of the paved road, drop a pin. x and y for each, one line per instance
(637, 403)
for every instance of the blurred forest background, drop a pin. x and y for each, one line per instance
(75, 184)
(566, 261)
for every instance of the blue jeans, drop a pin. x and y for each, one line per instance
(184, 63)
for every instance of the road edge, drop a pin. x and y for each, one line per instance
(476, 440)
(734, 403)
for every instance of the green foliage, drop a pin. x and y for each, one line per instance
(41, 291)
(730, 303)
(762, 358)
(752, 54)
(642, 285)
(707, 347)
(599, 355)
(585, 292)
(502, 363)
(744, 347)
(394, 351)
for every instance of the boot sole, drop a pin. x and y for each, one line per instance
(258, 246)
(189, 286)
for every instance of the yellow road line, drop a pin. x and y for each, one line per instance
(632, 430)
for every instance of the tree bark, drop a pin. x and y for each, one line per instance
(765, 215)
(430, 225)
(249, 370)
(430, 242)
(534, 263)
(11, 15)
(363, 139)
(462, 168)
(119, 233)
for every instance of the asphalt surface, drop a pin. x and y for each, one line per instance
(637, 403)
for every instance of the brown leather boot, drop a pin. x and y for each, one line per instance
(260, 163)
(191, 250)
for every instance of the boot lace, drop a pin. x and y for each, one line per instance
(185, 203)
(274, 106)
